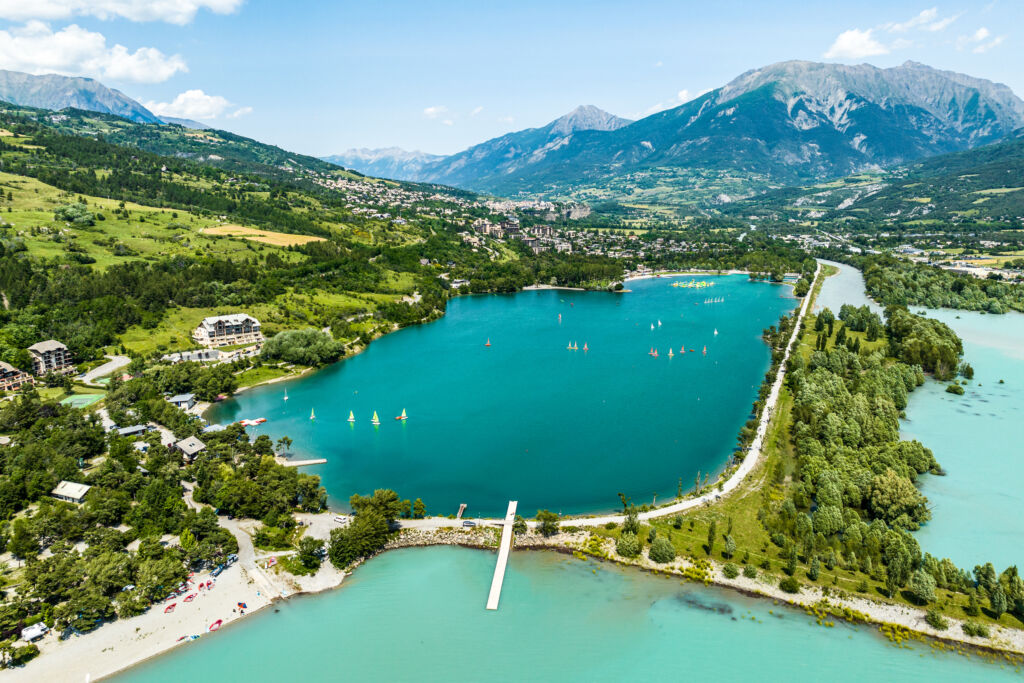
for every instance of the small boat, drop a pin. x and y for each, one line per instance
(170, 607)
(191, 597)
(569, 346)
(670, 354)
(559, 317)
(716, 331)
(682, 349)
(351, 416)
(659, 323)
(655, 353)
(652, 326)
(375, 420)
(651, 352)
(691, 351)
(312, 414)
(215, 625)
(488, 342)
(286, 394)
(403, 416)
(585, 346)
(705, 350)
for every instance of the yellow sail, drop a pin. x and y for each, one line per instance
(375, 420)
(351, 416)
(403, 414)
(312, 414)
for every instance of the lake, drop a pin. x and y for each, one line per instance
(418, 615)
(526, 418)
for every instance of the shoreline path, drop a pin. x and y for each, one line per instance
(745, 468)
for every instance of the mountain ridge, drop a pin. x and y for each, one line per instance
(56, 92)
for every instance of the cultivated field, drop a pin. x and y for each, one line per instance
(277, 239)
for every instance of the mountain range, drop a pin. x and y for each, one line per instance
(789, 122)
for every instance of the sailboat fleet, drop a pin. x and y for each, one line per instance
(375, 420)
(715, 300)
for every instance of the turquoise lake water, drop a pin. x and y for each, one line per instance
(525, 418)
(975, 437)
(418, 615)
(846, 287)
(976, 507)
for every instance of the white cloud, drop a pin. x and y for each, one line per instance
(173, 11)
(980, 41)
(855, 44)
(476, 110)
(506, 119)
(448, 122)
(659, 64)
(434, 112)
(74, 51)
(682, 97)
(941, 24)
(926, 20)
(241, 111)
(191, 104)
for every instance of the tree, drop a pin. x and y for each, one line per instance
(791, 559)
(309, 551)
(384, 502)
(283, 444)
(997, 601)
(661, 551)
(814, 570)
(547, 522)
(922, 586)
(712, 533)
(652, 534)
(419, 510)
(802, 287)
(364, 536)
(23, 544)
(631, 525)
(519, 525)
(730, 547)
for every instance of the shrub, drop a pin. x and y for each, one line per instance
(306, 347)
(974, 629)
(790, 585)
(76, 214)
(936, 620)
(730, 570)
(628, 545)
(662, 551)
(652, 534)
(610, 525)
(677, 522)
(955, 389)
(750, 571)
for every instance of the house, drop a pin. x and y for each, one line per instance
(11, 378)
(134, 430)
(34, 632)
(190, 447)
(200, 356)
(228, 330)
(183, 401)
(70, 491)
(51, 356)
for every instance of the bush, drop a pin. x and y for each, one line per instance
(662, 551)
(955, 389)
(628, 545)
(974, 629)
(936, 620)
(750, 571)
(730, 570)
(790, 585)
(272, 538)
(76, 214)
(677, 522)
(610, 525)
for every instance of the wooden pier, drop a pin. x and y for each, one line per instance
(503, 551)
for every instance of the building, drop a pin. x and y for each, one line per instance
(134, 430)
(51, 356)
(183, 401)
(11, 378)
(200, 356)
(228, 330)
(190, 447)
(70, 492)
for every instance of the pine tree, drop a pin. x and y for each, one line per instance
(712, 533)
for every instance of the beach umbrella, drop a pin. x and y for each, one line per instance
(242, 605)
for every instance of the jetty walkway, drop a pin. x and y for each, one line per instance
(503, 551)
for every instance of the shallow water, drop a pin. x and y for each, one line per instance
(846, 287)
(527, 419)
(976, 508)
(418, 615)
(975, 437)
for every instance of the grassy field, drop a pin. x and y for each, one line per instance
(145, 233)
(277, 239)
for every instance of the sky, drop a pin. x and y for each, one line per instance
(438, 76)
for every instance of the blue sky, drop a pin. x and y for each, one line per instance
(320, 77)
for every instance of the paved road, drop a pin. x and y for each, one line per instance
(115, 363)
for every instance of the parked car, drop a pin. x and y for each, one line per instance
(469, 522)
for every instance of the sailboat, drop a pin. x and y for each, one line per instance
(559, 317)
(651, 352)
(716, 331)
(652, 326)
(659, 323)
(705, 349)
(375, 420)
(655, 353)
(575, 346)
(670, 354)
(351, 416)
(312, 414)
(569, 346)
(286, 394)
(488, 342)
(585, 346)
(403, 416)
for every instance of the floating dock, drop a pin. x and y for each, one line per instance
(503, 551)
(300, 463)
